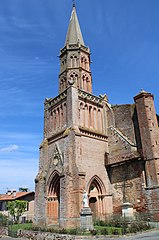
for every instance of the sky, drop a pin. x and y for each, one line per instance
(124, 40)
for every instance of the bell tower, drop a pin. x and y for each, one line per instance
(75, 142)
(75, 59)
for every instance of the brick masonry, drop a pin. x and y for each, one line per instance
(112, 152)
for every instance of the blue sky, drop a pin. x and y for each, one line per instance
(124, 40)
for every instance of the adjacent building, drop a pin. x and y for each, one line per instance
(13, 195)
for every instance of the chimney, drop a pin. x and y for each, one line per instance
(14, 193)
(9, 192)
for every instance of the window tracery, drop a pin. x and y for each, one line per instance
(74, 76)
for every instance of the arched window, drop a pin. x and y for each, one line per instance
(73, 61)
(61, 85)
(84, 62)
(81, 114)
(85, 82)
(74, 76)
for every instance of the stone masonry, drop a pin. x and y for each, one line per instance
(112, 152)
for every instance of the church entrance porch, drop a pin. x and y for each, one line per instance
(53, 199)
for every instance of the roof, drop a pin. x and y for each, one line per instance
(6, 197)
(74, 34)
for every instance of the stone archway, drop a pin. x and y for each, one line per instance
(53, 199)
(96, 193)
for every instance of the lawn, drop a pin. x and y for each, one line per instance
(24, 226)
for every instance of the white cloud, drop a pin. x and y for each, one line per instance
(10, 148)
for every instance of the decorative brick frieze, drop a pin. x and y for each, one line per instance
(52, 102)
(87, 132)
(90, 98)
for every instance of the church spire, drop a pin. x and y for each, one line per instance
(74, 35)
(75, 59)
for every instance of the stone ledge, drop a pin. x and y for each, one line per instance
(3, 231)
(38, 235)
(152, 188)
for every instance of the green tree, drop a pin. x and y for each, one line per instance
(3, 220)
(16, 209)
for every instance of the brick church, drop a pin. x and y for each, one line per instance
(111, 152)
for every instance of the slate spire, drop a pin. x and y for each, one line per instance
(74, 35)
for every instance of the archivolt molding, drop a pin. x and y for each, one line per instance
(98, 183)
(53, 175)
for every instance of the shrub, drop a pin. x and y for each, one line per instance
(115, 231)
(28, 221)
(52, 230)
(73, 231)
(99, 222)
(93, 232)
(3, 220)
(104, 231)
(61, 231)
(138, 226)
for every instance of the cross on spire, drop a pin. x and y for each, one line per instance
(73, 3)
(74, 35)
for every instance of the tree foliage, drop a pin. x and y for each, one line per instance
(3, 220)
(16, 209)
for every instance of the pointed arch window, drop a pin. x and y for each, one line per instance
(73, 61)
(84, 62)
(63, 84)
(85, 82)
(74, 76)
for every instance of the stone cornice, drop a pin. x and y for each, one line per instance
(75, 69)
(122, 158)
(92, 134)
(56, 136)
(90, 97)
(143, 95)
(50, 102)
(73, 47)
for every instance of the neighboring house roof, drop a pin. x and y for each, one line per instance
(6, 197)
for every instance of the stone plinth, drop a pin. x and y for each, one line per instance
(127, 210)
(86, 218)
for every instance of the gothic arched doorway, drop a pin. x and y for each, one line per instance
(53, 199)
(96, 195)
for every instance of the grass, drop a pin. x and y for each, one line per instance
(23, 226)
(98, 230)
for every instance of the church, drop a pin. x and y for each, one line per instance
(109, 151)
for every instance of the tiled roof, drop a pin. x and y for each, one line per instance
(6, 197)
